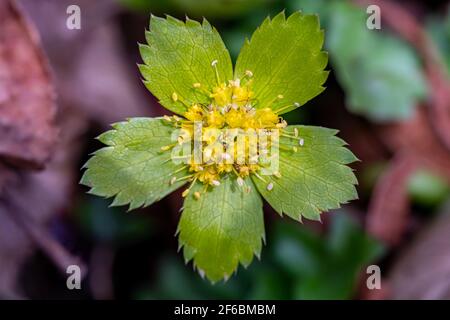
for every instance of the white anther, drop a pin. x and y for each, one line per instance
(214, 63)
(226, 156)
(301, 142)
(270, 186)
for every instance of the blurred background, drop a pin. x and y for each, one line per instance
(388, 93)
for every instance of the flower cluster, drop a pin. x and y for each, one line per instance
(230, 125)
(227, 139)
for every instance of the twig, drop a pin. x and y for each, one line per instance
(388, 209)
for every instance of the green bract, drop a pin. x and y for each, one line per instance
(222, 222)
(318, 179)
(180, 54)
(285, 57)
(222, 229)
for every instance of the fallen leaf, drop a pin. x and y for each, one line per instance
(27, 99)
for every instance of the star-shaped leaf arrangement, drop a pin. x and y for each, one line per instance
(242, 147)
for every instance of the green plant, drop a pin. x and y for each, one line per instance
(189, 70)
(379, 72)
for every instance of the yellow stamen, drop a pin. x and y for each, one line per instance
(229, 105)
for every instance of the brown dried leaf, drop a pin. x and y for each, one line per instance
(37, 197)
(423, 270)
(27, 106)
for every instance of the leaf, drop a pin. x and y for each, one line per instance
(132, 167)
(221, 229)
(380, 74)
(286, 59)
(180, 54)
(27, 99)
(313, 179)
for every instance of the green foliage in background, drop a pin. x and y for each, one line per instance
(326, 267)
(439, 29)
(111, 225)
(196, 8)
(426, 189)
(298, 264)
(380, 73)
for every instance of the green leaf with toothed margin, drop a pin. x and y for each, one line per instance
(314, 179)
(180, 54)
(132, 166)
(285, 58)
(221, 229)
